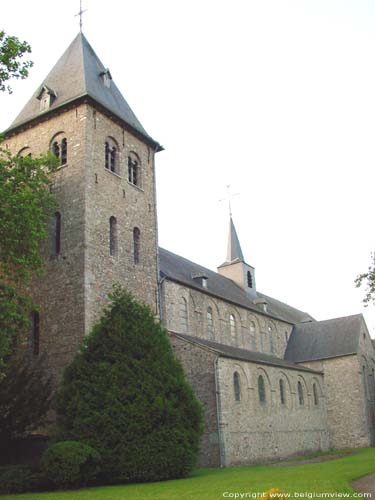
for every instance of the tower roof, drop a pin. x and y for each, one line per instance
(79, 73)
(234, 252)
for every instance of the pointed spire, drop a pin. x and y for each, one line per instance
(79, 74)
(234, 252)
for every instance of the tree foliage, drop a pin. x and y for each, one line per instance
(125, 394)
(368, 280)
(12, 51)
(25, 396)
(25, 207)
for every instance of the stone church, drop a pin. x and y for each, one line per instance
(274, 382)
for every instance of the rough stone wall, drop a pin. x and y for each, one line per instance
(60, 291)
(262, 339)
(74, 288)
(111, 194)
(255, 431)
(199, 366)
(349, 416)
(250, 431)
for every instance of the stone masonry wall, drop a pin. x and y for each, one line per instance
(250, 431)
(199, 366)
(256, 432)
(270, 335)
(111, 194)
(60, 291)
(346, 414)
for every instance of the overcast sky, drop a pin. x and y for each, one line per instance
(274, 97)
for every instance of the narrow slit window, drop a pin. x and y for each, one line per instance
(112, 236)
(249, 280)
(35, 324)
(236, 387)
(315, 394)
(210, 324)
(282, 391)
(136, 244)
(301, 398)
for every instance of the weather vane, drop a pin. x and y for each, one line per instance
(80, 15)
(229, 198)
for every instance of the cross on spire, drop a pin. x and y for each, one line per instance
(229, 198)
(80, 15)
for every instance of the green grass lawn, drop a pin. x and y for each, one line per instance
(211, 484)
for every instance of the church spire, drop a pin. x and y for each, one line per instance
(234, 252)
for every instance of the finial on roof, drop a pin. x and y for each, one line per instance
(234, 251)
(228, 199)
(80, 15)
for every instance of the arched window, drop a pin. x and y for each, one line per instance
(210, 324)
(35, 332)
(315, 394)
(236, 387)
(183, 315)
(57, 234)
(249, 280)
(232, 326)
(134, 176)
(301, 398)
(270, 333)
(113, 236)
(252, 335)
(282, 391)
(59, 147)
(261, 390)
(136, 244)
(110, 155)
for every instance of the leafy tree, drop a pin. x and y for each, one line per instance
(25, 396)
(368, 279)
(25, 207)
(125, 395)
(11, 51)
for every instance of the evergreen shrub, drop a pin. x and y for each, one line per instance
(70, 464)
(21, 479)
(126, 395)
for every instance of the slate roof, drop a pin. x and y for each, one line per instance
(234, 251)
(242, 354)
(324, 339)
(178, 269)
(78, 74)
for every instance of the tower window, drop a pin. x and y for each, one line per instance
(35, 332)
(110, 155)
(249, 280)
(261, 390)
(57, 233)
(112, 236)
(236, 387)
(282, 391)
(183, 315)
(134, 170)
(301, 398)
(136, 244)
(59, 148)
(210, 324)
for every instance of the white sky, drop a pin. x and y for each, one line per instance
(275, 97)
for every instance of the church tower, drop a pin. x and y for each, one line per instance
(235, 267)
(104, 230)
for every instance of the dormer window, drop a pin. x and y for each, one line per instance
(46, 97)
(201, 279)
(106, 77)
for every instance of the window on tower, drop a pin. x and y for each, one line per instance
(134, 171)
(112, 236)
(59, 147)
(111, 155)
(136, 244)
(249, 280)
